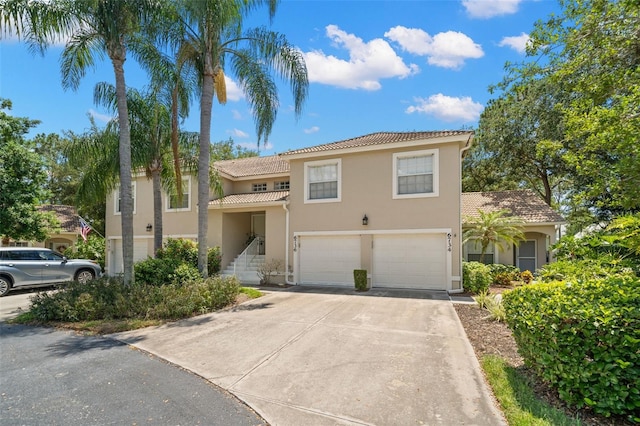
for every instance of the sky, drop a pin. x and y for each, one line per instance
(373, 66)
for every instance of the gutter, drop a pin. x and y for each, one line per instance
(286, 245)
(462, 151)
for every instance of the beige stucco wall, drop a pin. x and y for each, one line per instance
(175, 224)
(367, 188)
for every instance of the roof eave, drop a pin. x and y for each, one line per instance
(461, 138)
(222, 206)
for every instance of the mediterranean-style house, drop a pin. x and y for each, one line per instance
(65, 237)
(541, 224)
(389, 203)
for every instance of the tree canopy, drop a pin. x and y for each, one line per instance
(22, 181)
(566, 120)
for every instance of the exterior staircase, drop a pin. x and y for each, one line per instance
(245, 265)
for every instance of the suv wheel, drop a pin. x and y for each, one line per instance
(5, 286)
(84, 275)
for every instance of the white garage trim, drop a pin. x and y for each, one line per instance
(446, 233)
(327, 259)
(416, 261)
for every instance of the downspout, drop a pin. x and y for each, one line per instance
(462, 151)
(286, 245)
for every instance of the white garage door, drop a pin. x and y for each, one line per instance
(410, 261)
(328, 259)
(140, 252)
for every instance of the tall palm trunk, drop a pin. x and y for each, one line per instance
(157, 206)
(206, 104)
(126, 199)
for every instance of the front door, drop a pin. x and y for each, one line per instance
(526, 254)
(258, 228)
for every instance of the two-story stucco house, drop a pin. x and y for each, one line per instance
(389, 203)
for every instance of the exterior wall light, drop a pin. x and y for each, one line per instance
(365, 220)
(149, 227)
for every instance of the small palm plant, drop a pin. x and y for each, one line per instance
(493, 228)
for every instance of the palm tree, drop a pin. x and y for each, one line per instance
(92, 28)
(150, 138)
(212, 39)
(493, 228)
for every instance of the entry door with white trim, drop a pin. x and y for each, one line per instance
(526, 255)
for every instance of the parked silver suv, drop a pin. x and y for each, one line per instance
(26, 267)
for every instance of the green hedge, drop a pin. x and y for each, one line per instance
(583, 339)
(476, 277)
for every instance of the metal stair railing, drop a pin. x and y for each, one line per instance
(248, 254)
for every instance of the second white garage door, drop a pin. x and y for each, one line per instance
(140, 252)
(410, 261)
(329, 260)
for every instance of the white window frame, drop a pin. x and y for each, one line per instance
(167, 206)
(259, 187)
(116, 198)
(282, 185)
(308, 165)
(436, 173)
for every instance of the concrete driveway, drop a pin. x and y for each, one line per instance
(317, 356)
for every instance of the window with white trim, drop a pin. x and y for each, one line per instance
(473, 249)
(281, 186)
(322, 181)
(415, 174)
(259, 187)
(117, 199)
(175, 204)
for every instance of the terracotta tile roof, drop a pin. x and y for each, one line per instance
(525, 204)
(379, 138)
(252, 166)
(251, 197)
(67, 216)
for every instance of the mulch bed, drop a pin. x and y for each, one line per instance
(491, 337)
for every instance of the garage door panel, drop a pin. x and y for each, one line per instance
(140, 252)
(410, 261)
(329, 260)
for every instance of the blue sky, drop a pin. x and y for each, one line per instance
(373, 66)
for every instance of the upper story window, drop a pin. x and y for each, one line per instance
(117, 199)
(259, 187)
(415, 174)
(322, 181)
(174, 203)
(281, 186)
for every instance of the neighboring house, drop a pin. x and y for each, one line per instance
(65, 237)
(385, 202)
(541, 225)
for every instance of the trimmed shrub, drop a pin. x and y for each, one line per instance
(154, 271)
(179, 250)
(185, 273)
(476, 277)
(214, 260)
(360, 279)
(581, 270)
(583, 338)
(500, 273)
(526, 276)
(107, 299)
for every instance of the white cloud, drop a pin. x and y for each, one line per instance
(448, 50)
(447, 108)
(368, 63)
(517, 43)
(104, 118)
(313, 129)
(234, 93)
(236, 114)
(238, 133)
(485, 9)
(264, 146)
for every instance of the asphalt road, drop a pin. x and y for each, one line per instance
(50, 377)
